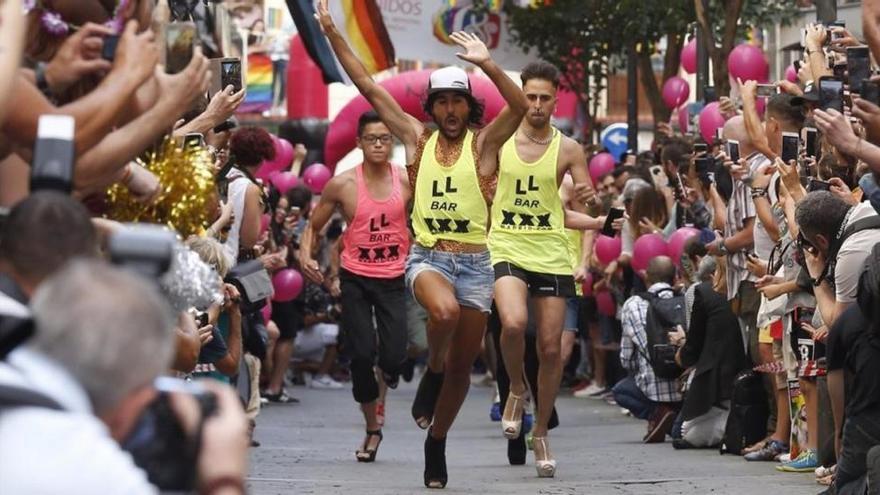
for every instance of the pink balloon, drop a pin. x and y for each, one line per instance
(587, 285)
(267, 312)
(605, 303)
(675, 92)
(288, 283)
(646, 247)
(607, 248)
(689, 56)
(710, 121)
(791, 74)
(283, 181)
(677, 241)
(600, 165)
(283, 152)
(684, 119)
(316, 177)
(747, 62)
(264, 222)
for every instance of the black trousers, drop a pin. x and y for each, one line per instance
(530, 364)
(362, 298)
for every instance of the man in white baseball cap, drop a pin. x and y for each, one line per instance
(451, 171)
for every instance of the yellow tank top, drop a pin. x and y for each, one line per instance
(448, 203)
(527, 215)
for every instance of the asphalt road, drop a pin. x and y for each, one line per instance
(308, 448)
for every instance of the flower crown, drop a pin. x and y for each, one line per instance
(55, 25)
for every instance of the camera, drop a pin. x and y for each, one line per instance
(54, 154)
(146, 249)
(158, 443)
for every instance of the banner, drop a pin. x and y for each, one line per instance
(420, 30)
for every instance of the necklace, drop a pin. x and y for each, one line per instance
(539, 141)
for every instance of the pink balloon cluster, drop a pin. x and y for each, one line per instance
(284, 181)
(288, 283)
(600, 165)
(281, 162)
(689, 56)
(675, 92)
(747, 62)
(316, 177)
(647, 247)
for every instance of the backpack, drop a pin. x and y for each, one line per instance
(747, 420)
(663, 315)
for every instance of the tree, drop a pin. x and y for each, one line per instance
(582, 37)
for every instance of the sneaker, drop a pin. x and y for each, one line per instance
(495, 412)
(769, 452)
(660, 425)
(593, 391)
(325, 382)
(786, 457)
(805, 463)
(580, 385)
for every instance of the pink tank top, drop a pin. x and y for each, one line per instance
(376, 242)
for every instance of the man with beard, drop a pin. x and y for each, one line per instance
(449, 270)
(530, 251)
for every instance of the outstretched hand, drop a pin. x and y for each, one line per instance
(325, 20)
(475, 50)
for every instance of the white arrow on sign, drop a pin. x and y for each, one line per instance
(617, 138)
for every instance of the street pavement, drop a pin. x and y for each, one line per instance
(308, 448)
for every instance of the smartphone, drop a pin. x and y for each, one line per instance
(733, 150)
(658, 176)
(818, 185)
(201, 318)
(225, 72)
(700, 148)
(227, 125)
(858, 66)
(54, 154)
(701, 166)
(180, 42)
(108, 49)
(790, 144)
(613, 214)
(831, 93)
(766, 90)
(811, 140)
(870, 91)
(193, 139)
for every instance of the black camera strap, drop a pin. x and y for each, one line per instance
(12, 396)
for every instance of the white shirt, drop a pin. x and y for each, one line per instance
(44, 451)
(238, 184)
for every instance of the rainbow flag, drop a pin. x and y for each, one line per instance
(259, 84)
(367, 34)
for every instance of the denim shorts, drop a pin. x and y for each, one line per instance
(572, 312)
(470, 274)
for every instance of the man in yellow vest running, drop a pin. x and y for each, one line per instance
(530, 250)
(451, 171)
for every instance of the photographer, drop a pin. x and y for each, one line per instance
(316, 344)
(836, 239)
(80, 398)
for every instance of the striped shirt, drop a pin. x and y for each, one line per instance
(740, 208)
(634, 345)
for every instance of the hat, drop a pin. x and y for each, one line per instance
(811, 95)
(449, 79)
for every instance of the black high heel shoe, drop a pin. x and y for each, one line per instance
(366, 454)
(426, 398)
(435, 462)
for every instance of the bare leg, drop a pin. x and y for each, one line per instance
(511, 299)
(550, 317)
(567, 346)
(783, 417)
(273, 333)
(811, 398)
(437, 296)
(464, 349)
(283, 351)
(598, 355)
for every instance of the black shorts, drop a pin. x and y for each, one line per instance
(288, 316)
(539, 284)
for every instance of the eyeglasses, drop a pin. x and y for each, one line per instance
(384, 139)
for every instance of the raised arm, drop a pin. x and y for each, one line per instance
(494, 135)
(871, 25)
(404, 126)
(12, 41)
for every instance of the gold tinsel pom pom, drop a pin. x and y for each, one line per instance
(188, 198)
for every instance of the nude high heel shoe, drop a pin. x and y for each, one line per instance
(544, 463)
(511, 420)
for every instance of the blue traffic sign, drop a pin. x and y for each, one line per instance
(614, 139)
